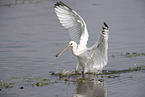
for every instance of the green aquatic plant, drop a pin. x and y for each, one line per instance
(113, 76)
(113, 56)
(129, 55)
(134, 54)
(40, 84)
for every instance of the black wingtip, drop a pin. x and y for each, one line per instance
(106, 25)
(105, 28)
(62, 4)
(56, 4)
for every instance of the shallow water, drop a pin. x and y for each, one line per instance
(31, 35)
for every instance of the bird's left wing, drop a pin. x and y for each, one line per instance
(74, 23)
(99, 50)
(102, 43)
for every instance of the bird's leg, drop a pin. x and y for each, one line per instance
(77, 67)
(83, 70)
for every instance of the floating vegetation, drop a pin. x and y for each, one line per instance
(104, 72)
(6, 85)
(134, 54)
(113, 56)
(100, 75)
(130, 55)
(9, 4)
(72, 78)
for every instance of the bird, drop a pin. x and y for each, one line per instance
(91, 59)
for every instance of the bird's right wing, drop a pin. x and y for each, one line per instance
(74, 23)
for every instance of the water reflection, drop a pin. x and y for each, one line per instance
(93, 88)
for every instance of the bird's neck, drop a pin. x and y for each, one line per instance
(76, 51)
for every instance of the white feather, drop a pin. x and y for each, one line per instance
(75, 25)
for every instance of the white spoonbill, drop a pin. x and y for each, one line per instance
(91, 59)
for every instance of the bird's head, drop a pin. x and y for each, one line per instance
(71, 44)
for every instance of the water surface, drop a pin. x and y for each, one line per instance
(31, 35)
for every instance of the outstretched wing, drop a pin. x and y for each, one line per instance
(74, 23)
(99, 49)
(102, 43)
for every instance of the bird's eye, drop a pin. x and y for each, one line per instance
(71, 44)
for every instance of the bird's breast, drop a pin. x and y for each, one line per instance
(83, 57)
